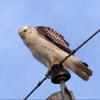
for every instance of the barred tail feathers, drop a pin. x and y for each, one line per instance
(78, 67)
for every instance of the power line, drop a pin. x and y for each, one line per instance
(81, 45)
(39, 83)
(73, 52)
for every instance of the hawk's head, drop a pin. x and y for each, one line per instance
(27, 31)
(28, 34)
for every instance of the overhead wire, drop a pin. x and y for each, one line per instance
(73, 52)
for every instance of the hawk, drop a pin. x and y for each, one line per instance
(49, 47)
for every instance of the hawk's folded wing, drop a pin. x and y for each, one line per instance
(54, 37)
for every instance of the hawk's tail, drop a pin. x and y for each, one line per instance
(78, 67)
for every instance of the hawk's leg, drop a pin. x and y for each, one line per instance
(49, 69)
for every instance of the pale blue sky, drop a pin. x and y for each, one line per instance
(20, 72)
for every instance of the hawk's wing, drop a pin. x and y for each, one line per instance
(54, 37)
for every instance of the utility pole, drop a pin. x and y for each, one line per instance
(60, 76)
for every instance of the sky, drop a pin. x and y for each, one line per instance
(74, 19)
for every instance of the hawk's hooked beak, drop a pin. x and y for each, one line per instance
(22, 31)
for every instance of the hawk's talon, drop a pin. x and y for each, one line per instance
(48, 74)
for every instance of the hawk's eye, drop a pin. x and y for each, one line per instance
(25, 30)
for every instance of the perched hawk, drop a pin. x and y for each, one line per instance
(50, 47)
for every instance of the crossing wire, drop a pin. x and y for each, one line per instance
(73, 52)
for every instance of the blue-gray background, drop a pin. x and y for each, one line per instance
(20, 72)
